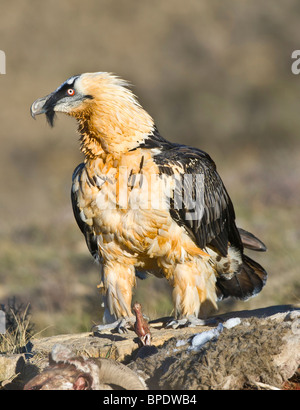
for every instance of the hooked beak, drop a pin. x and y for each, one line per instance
(39, 106)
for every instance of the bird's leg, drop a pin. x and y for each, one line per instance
(193, 287)
(116, 286)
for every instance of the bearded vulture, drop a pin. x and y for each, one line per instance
(145, 204)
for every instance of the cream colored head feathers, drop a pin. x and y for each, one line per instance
(110, 118)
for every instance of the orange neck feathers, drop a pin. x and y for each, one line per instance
(113, 122)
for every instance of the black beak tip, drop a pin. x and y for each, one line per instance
(50, 115)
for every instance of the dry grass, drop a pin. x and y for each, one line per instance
(19, 329)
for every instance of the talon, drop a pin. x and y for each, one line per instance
(121, 326)
(170, 323)
(175, 323)
(193, 321)
(189, 321)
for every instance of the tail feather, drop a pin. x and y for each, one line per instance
(247, 282)
(250, 241)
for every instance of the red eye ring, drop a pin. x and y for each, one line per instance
(71, 91)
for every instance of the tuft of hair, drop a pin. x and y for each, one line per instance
(50, 115)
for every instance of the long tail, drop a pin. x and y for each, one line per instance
(247, 282)
(250, 241)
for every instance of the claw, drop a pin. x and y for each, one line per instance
(189, 321)
(121, 326)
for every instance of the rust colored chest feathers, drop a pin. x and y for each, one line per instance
(126, 203)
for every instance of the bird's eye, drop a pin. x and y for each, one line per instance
(71, 91)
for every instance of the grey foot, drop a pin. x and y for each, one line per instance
(190, 321)
(121, 326)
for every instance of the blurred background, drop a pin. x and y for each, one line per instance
(216, 75)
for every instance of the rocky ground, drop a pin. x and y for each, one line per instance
(258, 349)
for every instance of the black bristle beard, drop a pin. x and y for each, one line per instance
(50, 115)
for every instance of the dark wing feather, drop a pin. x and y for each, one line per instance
(250, 241)
(87, 230)
(215, 227)
(214, 223)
